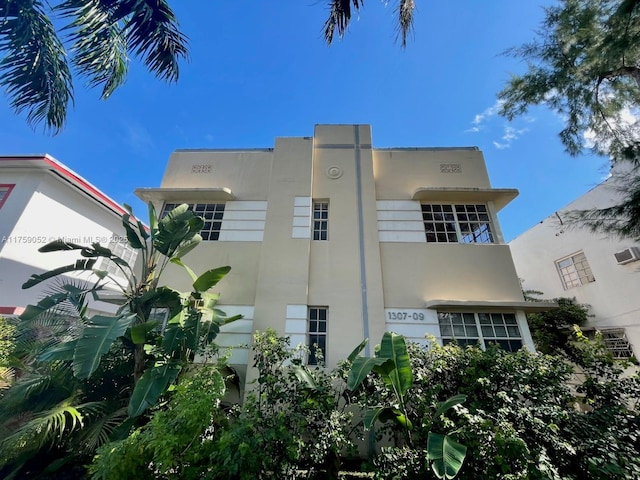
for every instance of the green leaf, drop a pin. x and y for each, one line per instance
(96, 340)
(48, 302)
(304, 376)
(132, 236)
(153, 220)
(188, 245)
(178, 226)
(393, 347)
(62, 352)
(356, 351)
(446, 454)
(34, 72)
(210, 278)
(139, 332)
(151, 386)
(360, 369)
(448, 403)
(173, 338)
(60, 246)
(80, 265)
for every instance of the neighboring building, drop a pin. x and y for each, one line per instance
(331, 241)
(42, 200)
(563, 261)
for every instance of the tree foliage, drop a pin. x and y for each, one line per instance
(87, 379)
(552, 330)
(42, 43)
(585, 65)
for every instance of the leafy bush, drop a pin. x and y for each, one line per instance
(293, 419)
(178, 440)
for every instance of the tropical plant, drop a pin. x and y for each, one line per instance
(42, 43)
(294, 419)
(340, 17)
(392, 364)
(520, 419)
(178, 440)
(150, 353)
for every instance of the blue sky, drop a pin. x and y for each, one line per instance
(259, 70)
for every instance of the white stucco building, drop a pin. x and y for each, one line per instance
(603, 272)
(332, 240)
(43, 200)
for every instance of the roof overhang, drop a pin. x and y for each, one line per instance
(184, 194)
(528, 307)
(46, 162)
(499, 196)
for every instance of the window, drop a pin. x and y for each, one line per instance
(5, 190)
(320, 220)
(122, 250)
(467, 223)
(617, 343)
(212, 214)
(480, 328)
(575, 271)
(317, 336)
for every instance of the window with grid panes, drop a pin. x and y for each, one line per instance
(5, 189)
(317, 334)
(480, 328)
(125, 252)
(575, 271)
(460, 223)
(212, 214)
(320, 220)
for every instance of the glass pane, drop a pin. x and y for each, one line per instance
(500, 331)
(487, 331)
(513, 331)
(469, 319)
(458, 331)
(445, 330)
(472, 331)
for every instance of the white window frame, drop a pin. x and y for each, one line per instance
(320, 220)
(317, 332)
(471, 328)
(574, 270)
(455, 221)
(212, 213)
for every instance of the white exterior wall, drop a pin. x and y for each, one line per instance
(39, 209)
(614, 295)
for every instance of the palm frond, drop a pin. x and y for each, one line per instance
(99, 46)
(48, 427)
(33, 66)
(103, 423)
(405, 19)
(339, 17)
(152, 33)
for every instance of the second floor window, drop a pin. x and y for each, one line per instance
(575, 271)
(460, 223)
(126, 253)
(212, 214)
(320, 220)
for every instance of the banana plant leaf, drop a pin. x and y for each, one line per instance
(97, 338)
(446, 455)
(80, 265)
(151, 386)
(361, 367)
(394, 347)
(62, 351)
(210, 278)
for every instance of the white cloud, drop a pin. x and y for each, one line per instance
(487, 119)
